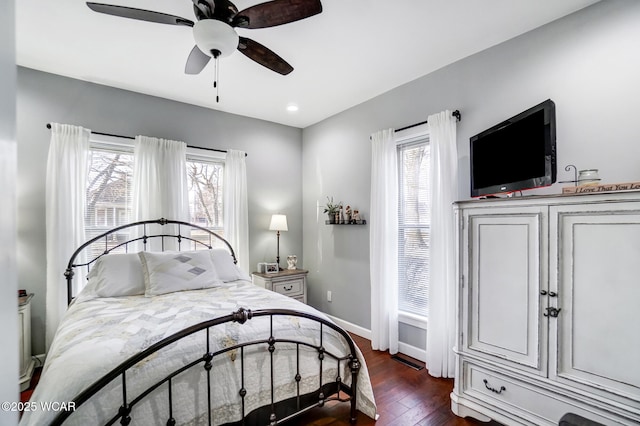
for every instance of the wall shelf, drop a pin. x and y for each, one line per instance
(344, 222)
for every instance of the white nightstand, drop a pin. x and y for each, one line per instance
(24, 329)
(290, 282)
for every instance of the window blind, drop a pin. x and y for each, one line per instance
(414, 220)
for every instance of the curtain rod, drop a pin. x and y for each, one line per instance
(455, 114)
(132, 137)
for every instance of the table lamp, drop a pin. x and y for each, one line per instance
(278, 223)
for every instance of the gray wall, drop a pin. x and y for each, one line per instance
(273, 162)
(8, 307)
(586, 62)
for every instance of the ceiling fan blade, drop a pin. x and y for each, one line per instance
(265, 57)
(203, 9)
(139, 14)
(196, 61)
(277, 12)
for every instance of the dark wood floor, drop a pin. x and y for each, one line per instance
(404, 396)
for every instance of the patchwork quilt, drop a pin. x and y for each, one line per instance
(97, 335)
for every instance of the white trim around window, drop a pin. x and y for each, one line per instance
(412, 134)
(414, 320)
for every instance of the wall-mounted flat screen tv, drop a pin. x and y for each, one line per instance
(517, 154)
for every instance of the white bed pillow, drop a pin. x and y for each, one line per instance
(167, 272)
(114, 275)
(227, 270)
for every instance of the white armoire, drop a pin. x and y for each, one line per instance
(548, 309)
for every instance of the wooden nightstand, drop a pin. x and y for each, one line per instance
(24, 329)
(290, 282)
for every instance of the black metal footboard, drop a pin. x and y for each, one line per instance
(273, 413)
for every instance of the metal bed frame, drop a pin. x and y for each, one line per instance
(145, 238)
(271, 414)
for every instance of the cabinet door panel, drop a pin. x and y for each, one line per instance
(505, 277)
(598, 286)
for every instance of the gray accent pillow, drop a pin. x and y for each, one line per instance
(168, 272)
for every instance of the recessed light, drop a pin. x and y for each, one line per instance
(292, 108)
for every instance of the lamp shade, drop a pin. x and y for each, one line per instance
(278, 223)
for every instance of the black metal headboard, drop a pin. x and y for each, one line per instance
(111, 243)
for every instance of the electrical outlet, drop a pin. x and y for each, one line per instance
(328, 295)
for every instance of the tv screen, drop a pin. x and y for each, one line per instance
(517, 154)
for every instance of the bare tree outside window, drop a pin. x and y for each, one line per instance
(109, 197)
(205, 182)
(109, 179)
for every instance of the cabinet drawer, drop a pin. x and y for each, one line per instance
(521, 399)
(290, 287)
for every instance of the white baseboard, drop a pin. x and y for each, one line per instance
(351, 328)
(39, 359)
(409, 350)
(412, 351)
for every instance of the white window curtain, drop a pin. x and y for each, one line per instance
(236, 216)
(160, 182)
(65, 203)
(440, 358)
(383, 242)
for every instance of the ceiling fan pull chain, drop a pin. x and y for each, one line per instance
(215, 78)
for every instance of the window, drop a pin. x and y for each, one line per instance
(205, 183)
(109, 194)
(414, 219)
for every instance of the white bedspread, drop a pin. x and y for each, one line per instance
(97, 335)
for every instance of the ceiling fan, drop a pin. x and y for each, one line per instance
(214, 31)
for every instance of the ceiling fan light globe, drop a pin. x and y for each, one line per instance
(212, 35)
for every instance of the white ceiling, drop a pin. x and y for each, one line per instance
(351, 52)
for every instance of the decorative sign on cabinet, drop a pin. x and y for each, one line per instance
(548, 309)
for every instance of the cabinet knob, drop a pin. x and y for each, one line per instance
(552, 294)
(543, 292)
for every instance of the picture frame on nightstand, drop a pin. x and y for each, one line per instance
(271, 268)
